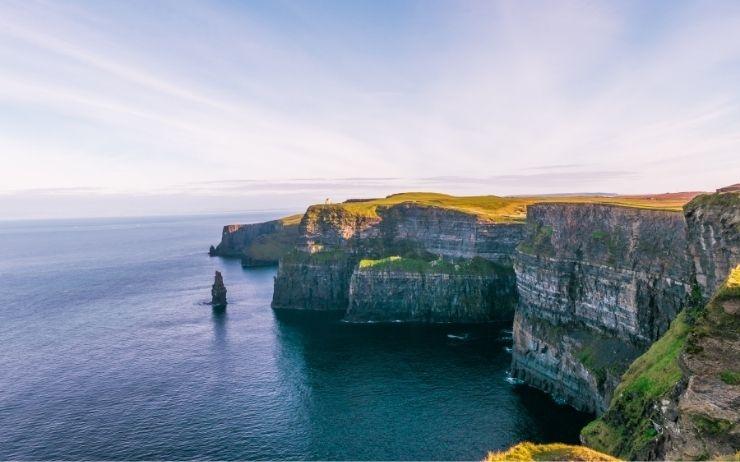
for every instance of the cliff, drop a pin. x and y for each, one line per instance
(681, 399)
(324, 271)
(316, 282)
(448, 233)
(258, 243)
(714, 236)
(402, 289)
(597, 284)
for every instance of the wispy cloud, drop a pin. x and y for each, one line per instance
(189, 97)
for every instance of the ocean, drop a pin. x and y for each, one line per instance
(108, 350)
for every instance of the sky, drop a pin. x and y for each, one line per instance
(112, 108)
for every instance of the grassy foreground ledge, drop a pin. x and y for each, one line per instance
(548, 452)
(696, 345)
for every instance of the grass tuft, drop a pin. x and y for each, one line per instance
(548, 452)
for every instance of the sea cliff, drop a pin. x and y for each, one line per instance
(714, 236)
(399, 289)
(258, 244)
(597, 284)
(681, 399)
(326, 269)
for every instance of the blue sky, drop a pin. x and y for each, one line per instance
(144, 107)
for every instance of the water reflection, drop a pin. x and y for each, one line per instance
(219, 318)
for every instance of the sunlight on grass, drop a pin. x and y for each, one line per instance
(548, 452)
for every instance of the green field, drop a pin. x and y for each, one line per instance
(506, 208)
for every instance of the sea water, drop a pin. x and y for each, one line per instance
(108, 351)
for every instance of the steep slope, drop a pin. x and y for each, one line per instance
(714, 236)
(406, 289)
(597, 284)
(681, 399)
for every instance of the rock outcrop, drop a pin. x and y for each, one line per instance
(714, 236)
(597, 284)
(258, 244)
(218, 292)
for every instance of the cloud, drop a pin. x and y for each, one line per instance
(188, 97)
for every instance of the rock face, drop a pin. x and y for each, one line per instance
(332, 227)
(437, 230)
(714, 236)
(681, 399)
(597, 284)
(258, 244)
(577, 365)
(318, 282)
(431, 295)
(218, 292)
(322, 273)
(449, 233)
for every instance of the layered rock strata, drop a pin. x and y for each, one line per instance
(714, 236)
(597, 284)
(681, 399)
(334, 238)
(317, 282)
(429, 293)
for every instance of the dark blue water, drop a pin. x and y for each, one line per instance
(107, 352)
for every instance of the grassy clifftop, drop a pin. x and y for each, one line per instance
(548, 452)
(506, 208)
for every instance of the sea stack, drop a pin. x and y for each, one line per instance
(218, 292)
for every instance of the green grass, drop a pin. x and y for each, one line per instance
(548, 452)
(711, 427)
(625, 429)
(273, 246)
(325, 256)
(492, 208)
(731, 287)
(725, 200)
(541, 241)
(497, 208)
(291, 220)
(730, 377)
(599, 234)
(475, 266)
